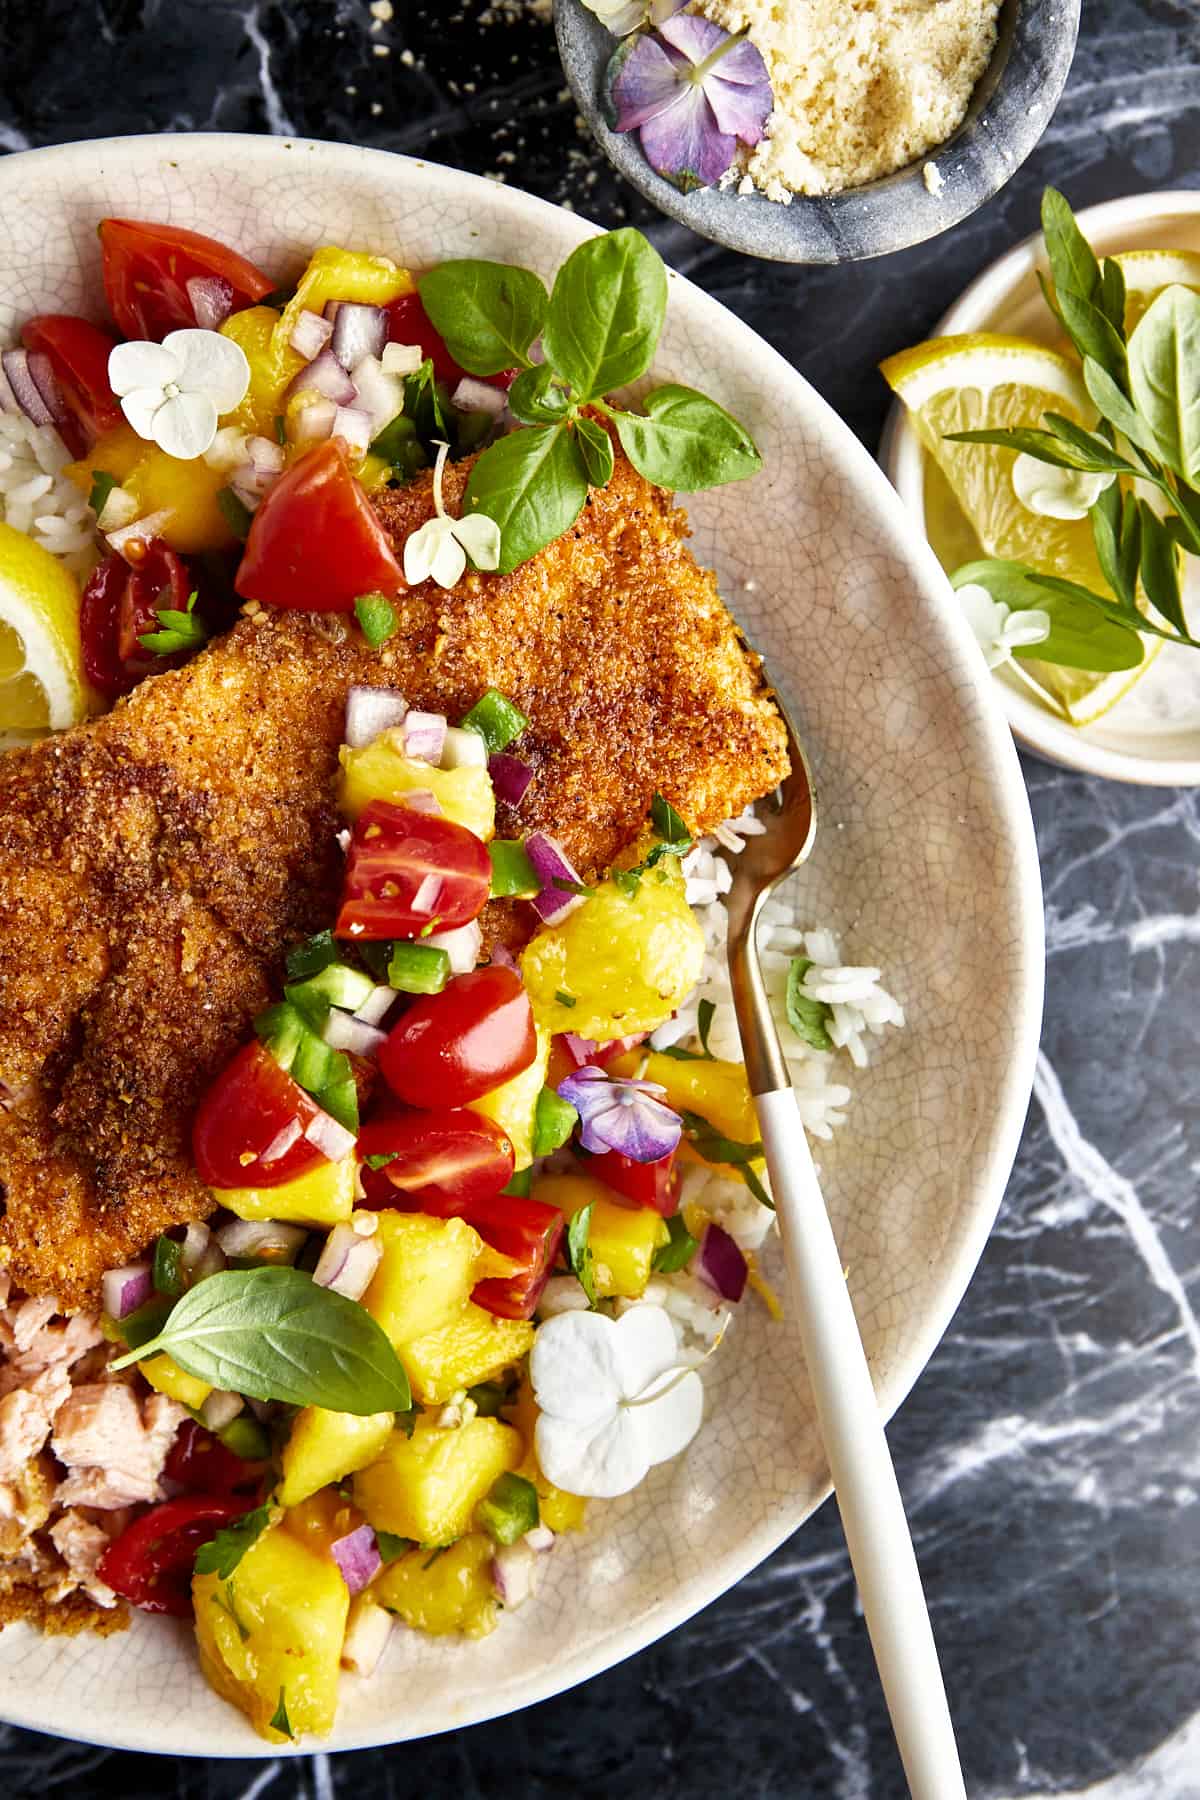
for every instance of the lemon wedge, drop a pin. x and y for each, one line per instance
(1148, 272)
(42, 683)
(985, 381)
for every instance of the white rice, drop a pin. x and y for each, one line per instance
(38, 499)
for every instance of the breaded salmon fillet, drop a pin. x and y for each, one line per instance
(156, 864)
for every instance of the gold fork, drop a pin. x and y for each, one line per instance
(872, 1511)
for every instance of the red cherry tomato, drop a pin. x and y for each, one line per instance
(452, 1047)
(408, 871)
(120, 604)
(199, 1462)
(653, 1184)
(78, 352)
(147, 269)
(443, 1161)
(315, 543)
(243, 1131)
(150, 1563)
(409, 323)
(528, 1231)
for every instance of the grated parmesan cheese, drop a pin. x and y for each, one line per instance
(862, 87)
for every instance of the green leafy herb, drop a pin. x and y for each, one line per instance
(1072, 264)
(554, 1120)
(280, 1720)
(280, 429)
(808, 1018)
(235, 512)
(179, 630)
(678, 1250)
(565, 999)
(595, 446)
(273, 1334)
(709, 1143)
(512, 872)
(313, 955)
(509, 1509)
(137, 1328)
(381, 1160)
(376, 617)
(222, 1554)
(168, 1274)
(520, 1186)
(533, 483)
(538, 397)
(566, 886)
(674, 839)
(392, 1548)
(102, 486)
(491, 1398)
(1164, 378)
(1080, 636)
(705, 1013)
(497, 720)
(399, 445)
(686, 441)
(227, 1603)
(579, 1250)
(606, 313)
(426, 403)
(488, 313)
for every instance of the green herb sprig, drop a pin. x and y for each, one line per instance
(223, 1552)
(178, 630)
(580, 1259)
(599, 328)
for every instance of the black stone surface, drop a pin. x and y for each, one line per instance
(1051, 1452)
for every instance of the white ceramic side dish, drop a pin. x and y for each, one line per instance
(1152, 736)
(927, 865)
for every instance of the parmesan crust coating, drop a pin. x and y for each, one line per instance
(156, 864)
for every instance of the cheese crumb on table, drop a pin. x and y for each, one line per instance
(862, 87)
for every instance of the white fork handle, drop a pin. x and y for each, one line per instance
(872, 1511)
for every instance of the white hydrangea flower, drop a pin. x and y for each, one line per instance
(623, 16)
(173, 393)
(1055, 493)
(998, 629)
(439, 549)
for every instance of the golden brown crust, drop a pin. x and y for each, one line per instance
(154, 865)
(60, 1618)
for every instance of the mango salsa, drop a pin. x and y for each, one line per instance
(443, 1592)
(513, 1105)
(165, 1374)
(272, 366)
(327, 1446)
(425, 1279)
(623, 1239)
(627, 961)
(161, 483)
(475, 1346)
(335, 274)
(716, 1090)
(273, 1631)
(381, 771)
(325, 1196)
(427, 1486)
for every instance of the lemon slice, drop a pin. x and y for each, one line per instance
(1148, 272)
(981, 382)
(42, 683)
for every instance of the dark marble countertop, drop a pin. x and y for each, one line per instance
(1051, 1452)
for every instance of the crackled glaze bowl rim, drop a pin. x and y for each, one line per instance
(980, 307)
(151, 1718)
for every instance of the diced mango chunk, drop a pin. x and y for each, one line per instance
(381, 771)
(272, 365)
(334, 274)
(623, 1239)
(514, 1105)
(444, 1591)
(426, 1274)
(717, 1090)
(473, 1347)
(161, 483)
(325, 1196)
(273, 1633)
(165, 1374)
(327, 1446)
(427, 1486)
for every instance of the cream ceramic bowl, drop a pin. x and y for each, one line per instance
(1152, 736)
(925, 863)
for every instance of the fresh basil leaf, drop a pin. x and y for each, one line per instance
(1111, 299)
(1092, 335)
(391, 1548)
(1084, 634)
(670, 825)
(606, 313)
(273, 1334)
(1072, 264)
(222, 1554)
(537, 397)
(1164, 377)
(376, 618)
(1160, 568)
(554, 1120)
(595, 447)
(808, 1018)
(488, 313)
(705, 1013)
(566, 886)
(235, 513)
(1114, 404)
(280, 1720)
(686, 441)
(426, 407)
(579, 1251)
(102, 486)
(399, 445)
(533, 484)
(678, 1251)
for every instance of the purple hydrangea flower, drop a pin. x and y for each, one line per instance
(692, 92)
(620, 1114)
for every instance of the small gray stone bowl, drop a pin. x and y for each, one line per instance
(1009, 111)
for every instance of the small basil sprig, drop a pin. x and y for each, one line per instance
(222, 1553)
(273, 1334)
(178, 630)
(809, 1019)
(1146, 389)
(599, 329)
(580, 1260)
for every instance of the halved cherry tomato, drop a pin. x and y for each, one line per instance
(79, 353)
(315, 543)
(408, 871)
(653, 1184)
(246, 1116)
(443, 1161)
(147, 269)
(530, 1232)
(150, 1563)
(452, 1047)
(199, 1462)
(409, 323)
(120, 604)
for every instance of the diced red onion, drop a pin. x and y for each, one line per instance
(424, 736)
(268, 1238)
(19, 366)
(581, 1050)
(551, 863)
(367, 1636)
(370, 711)
(196, 1240)
(401, 359)
(312, 423)
(348, 1262)
(541, 1539)
(282, 1142)
(220, 1409)
(462, 946)
(343, 1031)
(515, 1571)
(358, 331)
(124, 1290)
(720, 1262)
(357, 1556)
(510, 777)
(376, 1006)
(142, 530)
(330, 1138)
(310, 334)
(380, 396)
(212, 300)
(262, 468)
(463, 749)
(421, 800)
(8, 400)
(429, 892)
(500, 953)
(324, 375)
(353, 426)
(477, 396)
